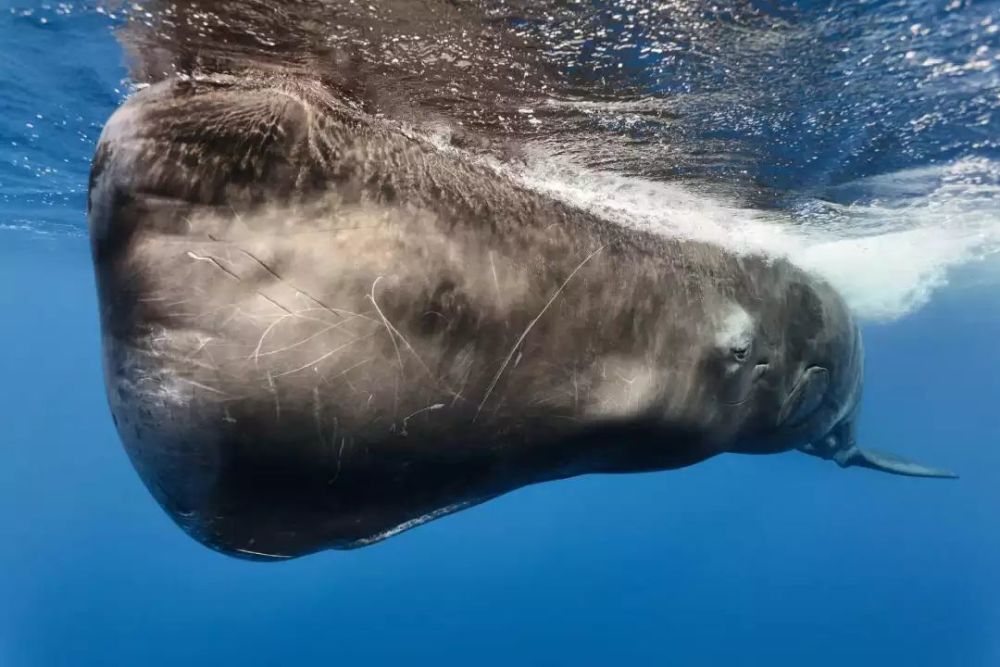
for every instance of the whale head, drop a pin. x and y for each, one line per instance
(815, 382)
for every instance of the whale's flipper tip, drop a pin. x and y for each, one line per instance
(890, 463)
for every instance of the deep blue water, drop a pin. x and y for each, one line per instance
(776, 560)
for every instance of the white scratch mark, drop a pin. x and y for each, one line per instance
(527, 330)
(394, 331)
(203, 386)
(323, 357)
(406, 419)
(385, 320)
(496, 281)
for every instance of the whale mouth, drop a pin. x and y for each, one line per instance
(805, 397)
(758, 373)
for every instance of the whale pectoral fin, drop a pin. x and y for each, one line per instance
(890, 463)
(805, 397)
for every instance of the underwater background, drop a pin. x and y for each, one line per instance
(860, 138)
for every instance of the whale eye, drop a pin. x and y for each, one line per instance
(734, 333)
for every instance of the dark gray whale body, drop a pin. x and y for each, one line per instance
(319, 330)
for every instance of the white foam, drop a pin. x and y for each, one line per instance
(886, 256)
(886, 276)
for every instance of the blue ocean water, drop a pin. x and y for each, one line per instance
(776, 560)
